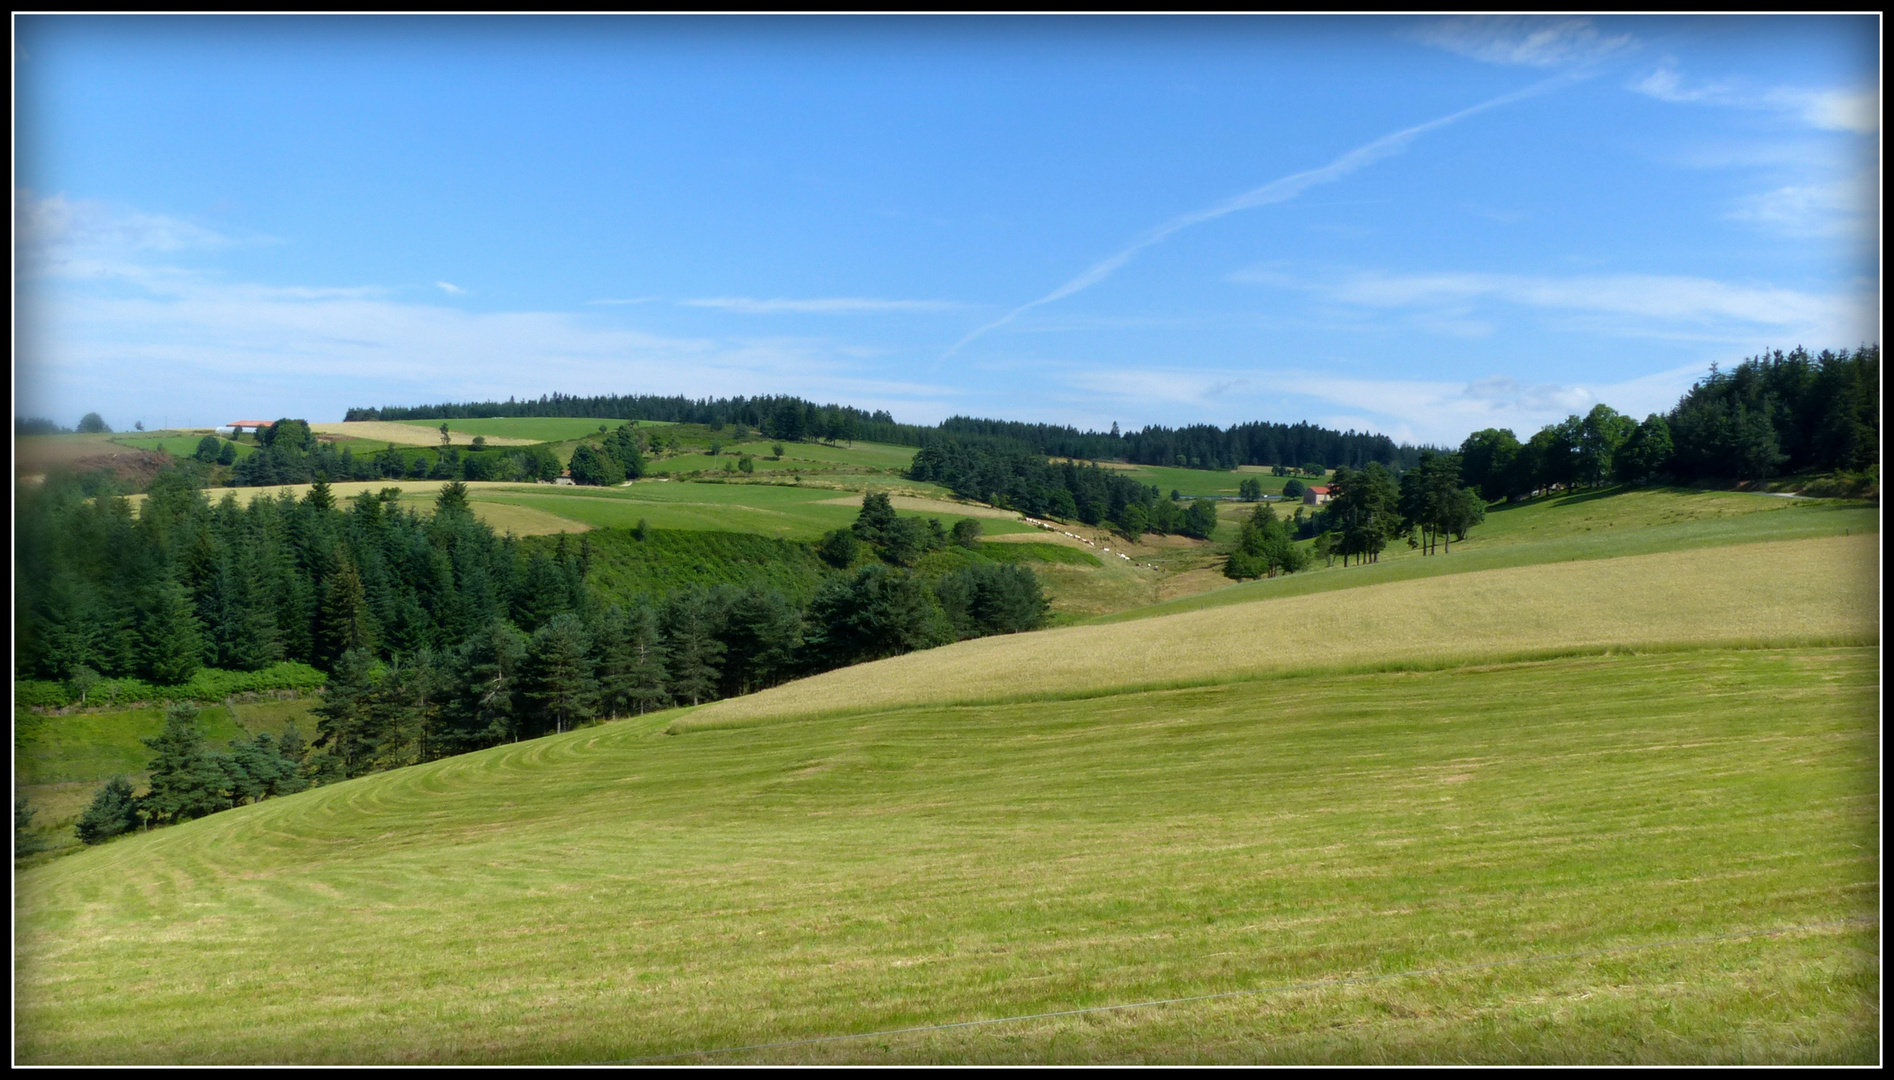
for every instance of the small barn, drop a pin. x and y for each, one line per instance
(1315, 496)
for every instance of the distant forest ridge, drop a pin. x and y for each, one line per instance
(1203, 446)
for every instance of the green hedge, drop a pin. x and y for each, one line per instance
(209, 684)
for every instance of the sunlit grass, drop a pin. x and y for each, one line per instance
(618, 892)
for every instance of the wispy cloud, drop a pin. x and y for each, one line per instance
(55, 222)
(832, 305)
(1635, 304)
(1276, 191)
(1814, 208)
(108, 325)
(1439, 412)
(1542, 41)
(450, 289)
(1827, 109)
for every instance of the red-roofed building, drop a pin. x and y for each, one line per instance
(1315, 496)
(236, 426)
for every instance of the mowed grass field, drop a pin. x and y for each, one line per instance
(1590, 525)
(1192, 483)
(621, 893)
(1606, 804)
(781, 510)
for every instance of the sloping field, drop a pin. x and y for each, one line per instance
(1601, 525)
(782, 510)
(1602, 859)
(420, 433)
(1785, 592)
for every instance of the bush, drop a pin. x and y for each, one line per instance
(40, 694)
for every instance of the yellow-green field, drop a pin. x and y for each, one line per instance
(1611, 799)
(1790, 591)
(620, 893)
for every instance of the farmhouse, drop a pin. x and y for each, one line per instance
(1315, 496)
(236, 426)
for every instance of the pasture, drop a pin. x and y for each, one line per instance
(622, 893)
(1562, 528)
(1787, 592)
(1213, 483)
(423, 433)
(801, 512)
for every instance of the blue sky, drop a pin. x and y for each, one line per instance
(1415, 226)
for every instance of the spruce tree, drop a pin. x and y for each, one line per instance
(186, 782)
(345, 716)
(557, 678)
(343, 623)
(170, 644)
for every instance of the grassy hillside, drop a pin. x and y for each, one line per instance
(618, 893)
(1787, 592)
(782, 510)
(1592, 525)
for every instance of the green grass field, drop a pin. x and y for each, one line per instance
(782, 510)
(1608, 796)
(533, 428)
(798, 457)
(1191, 483)
(1600, 525)
(180, 444)
(619, 893)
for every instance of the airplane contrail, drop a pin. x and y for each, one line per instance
(1275, 191)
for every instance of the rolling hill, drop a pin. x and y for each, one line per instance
(1614, 809)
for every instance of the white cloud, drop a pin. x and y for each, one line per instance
(1817, 208)
(55, 222)
(1437, 412)
(1528, 40)
(1827, 109)
(450, 289)
(104, 325)
(818, 306)
(1617, 304)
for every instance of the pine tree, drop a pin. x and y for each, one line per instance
(631, 658)
(691, 622)
(557, 678)
(345, 718)
(186, 782)
(343, 623)
(170, 644)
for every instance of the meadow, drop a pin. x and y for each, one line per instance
(1208, 483)
(1609, 795)
(1561, 528)
(623, 893)
(180, 444)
